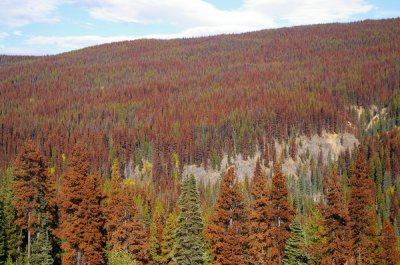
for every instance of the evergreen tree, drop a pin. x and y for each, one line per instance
(156, 231)
(168, 244)
(125, 231)
(362, 213)
(189, 233)
(12, 234)
(41, 249)
(260, 220)
(228, 228)
(30, 190)
(337, 223)
(80, 213)
(390, 254)
(315, 234)
(295, 245)
(282, 215)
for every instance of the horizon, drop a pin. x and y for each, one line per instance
(51, 27)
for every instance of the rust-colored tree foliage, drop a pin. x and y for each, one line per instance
(81, 218)
(125, 231)
(228, 229)
(282, 215)
(388, 239)
(260, 218)
(362, 213)
(338, 249)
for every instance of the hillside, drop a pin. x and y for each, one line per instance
(198, 97)
(272, 147)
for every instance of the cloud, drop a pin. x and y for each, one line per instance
(4, 35)
(16, 13)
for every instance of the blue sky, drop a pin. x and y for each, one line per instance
(53, 26)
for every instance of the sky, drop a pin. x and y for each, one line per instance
(42, 27)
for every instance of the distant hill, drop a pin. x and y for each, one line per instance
(198, 97)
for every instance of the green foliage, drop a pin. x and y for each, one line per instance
(294, 249)
(190, 239)
(120, 257)
(168, 244)
(13, 237)
(3, 253)
(41, 250)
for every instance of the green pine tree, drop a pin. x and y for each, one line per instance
(120, 257)
(190, 239)
(156, 231)
(294, 253)
(41, 249)
(169, 240)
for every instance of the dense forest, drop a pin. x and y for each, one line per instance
(94, 144)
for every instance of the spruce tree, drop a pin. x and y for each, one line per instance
(156, 231)
(295, 245)
(388, 239)
(228, 228)
(41, 249)
(189, 233)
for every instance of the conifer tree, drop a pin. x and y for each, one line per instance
(295, 245)
(337, 223)
(282, 215)
(189, 233)
(156, 231)
(390, 254)
(362, 213)
(12, 234)
(125, 231)
(228, 229)
(168, 244)
(80, 213)
(30, 189)
(260, 220)
(41, 249)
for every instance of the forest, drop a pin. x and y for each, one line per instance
(95, 143)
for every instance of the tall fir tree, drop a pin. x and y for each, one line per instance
(260, 218)
(295, 246)
(228, 229)
(156, 231)
(30, 190)
(362, 213)
(338, 249)
(168, 245)
(189, 232)
(80, 213)
(41, 249)
(282, 215)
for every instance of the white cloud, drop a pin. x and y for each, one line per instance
(17, 13)
(4, 35)
(17, 33)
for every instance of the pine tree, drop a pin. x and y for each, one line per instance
(260, 220)
(337, 223)
(390, 255)
(315, 234)
(228, 229)
(80, 213)
(41, 249)
(295, 245)
(189, 232)
(30, 189)
(282, 215)
(362, 213)
(168, 244)
(125, 231)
